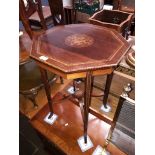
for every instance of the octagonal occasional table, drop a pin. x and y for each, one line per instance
(79, 51)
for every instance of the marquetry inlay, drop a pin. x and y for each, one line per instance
(79, 40)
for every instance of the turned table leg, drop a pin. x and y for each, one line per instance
(107, 89)
(87, 101)
(47, 89)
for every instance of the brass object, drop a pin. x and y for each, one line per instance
(130, 59)
(126, 90)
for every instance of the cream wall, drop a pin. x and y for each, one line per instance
(67, 2)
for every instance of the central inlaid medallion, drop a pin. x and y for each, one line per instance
(79, 40)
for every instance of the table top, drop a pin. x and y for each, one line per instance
(79, 47)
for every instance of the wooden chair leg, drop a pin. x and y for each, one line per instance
(61, 80)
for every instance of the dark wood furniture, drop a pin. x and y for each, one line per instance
(113, 19)
(124, 5)
(79, 51)
(29, 76)
(47, 15)
(33, 13)
(62, 14)
(24, 47)
(56, 7)
(70, 13)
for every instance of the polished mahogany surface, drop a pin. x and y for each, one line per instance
(25, 43)
(79, 47)
(69, 127)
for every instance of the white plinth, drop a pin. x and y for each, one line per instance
(50, 120)
(108, 109)
(107, 7)
(85, 146)
(100, 151)
(71, 90)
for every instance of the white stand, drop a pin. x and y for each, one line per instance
(100, 151)
(85, 146)
(20, 33)
(108, 109)
(50, 120)
(107, 7)
(129, 39)
(70, 90)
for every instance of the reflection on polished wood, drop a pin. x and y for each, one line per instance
(25, 105)
(25, 45)
(69, 127)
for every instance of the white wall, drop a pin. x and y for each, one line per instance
(67, 2)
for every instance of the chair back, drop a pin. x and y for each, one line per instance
(24, 18)
(26, 9)
(30, 6)
(25, 40)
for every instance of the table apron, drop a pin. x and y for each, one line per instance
(76, 75)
